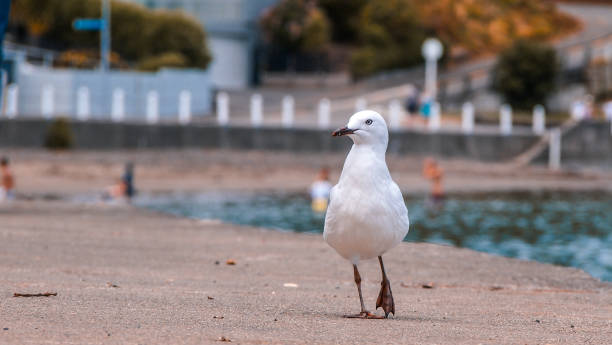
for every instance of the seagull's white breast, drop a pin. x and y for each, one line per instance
(366, 216)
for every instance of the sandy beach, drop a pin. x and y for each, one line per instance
(43, 173)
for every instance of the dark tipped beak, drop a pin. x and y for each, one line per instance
(342, 131)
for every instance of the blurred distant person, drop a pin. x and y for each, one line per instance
(123, 190)
(128, 180)
(606, 108)
(116, 192)
(8, 182)
(433, 172)
(319, 191)
(578, 110)
(412, 103)
(426, 104)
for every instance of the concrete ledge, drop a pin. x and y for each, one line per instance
(30, 133)
(124, 275)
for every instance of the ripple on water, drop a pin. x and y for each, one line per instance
(571, 229)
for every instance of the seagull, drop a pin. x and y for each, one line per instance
(366, 215)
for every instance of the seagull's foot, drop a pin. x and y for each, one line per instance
(385, 298)
(364, 315)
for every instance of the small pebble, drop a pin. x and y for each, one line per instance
(217, 262)
(230, 262)
(538, 321)
(6, 328)
(210, 297)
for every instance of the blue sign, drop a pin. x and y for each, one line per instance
(89, 24)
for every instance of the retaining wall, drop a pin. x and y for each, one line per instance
(588, 143)
(30, 133)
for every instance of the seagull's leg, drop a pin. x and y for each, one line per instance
(385, 297)
(364, 314)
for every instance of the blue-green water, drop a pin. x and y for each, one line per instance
(570, 229)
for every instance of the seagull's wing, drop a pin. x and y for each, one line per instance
(330, 214)
(396, 199)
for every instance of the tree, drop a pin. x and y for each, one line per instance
(296, 26)
(344, 16)
(525, 74)
(391, 35)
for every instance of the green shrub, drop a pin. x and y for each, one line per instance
(59, 135)
(154, 63)
(174, 31)
(525, 74)
(137, 32)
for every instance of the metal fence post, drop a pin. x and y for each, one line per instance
(12, 98)
(505, 119)
(288, 111)
(467, 118)
(395, 114)
(118, 105)
(47, 106)
(256, 110)
(554, 149)
(152, 107)
(222, 108)
(539, 119)
(83, 109)
(184, 107)
(324, 111)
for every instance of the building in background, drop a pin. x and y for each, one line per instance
(232, 33)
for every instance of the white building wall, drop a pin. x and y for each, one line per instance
(229, 68)
(168, 83)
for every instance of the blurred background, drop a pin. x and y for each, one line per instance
(500, 112)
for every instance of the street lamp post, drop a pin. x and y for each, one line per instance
(105, 38)
(432, 51)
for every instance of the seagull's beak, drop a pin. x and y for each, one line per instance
(342, 131)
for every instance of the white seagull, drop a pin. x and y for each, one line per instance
(366, 215)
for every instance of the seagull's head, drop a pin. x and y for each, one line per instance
(366, 127)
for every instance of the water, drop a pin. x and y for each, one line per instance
(569, 229)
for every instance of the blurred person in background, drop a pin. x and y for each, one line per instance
(8, 182)
(433, 172)
(412, 103)
(426, 103)
(578, 109)
(128, 181)
(123, 190)
(319, 191)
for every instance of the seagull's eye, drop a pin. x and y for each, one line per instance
(368, 122)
